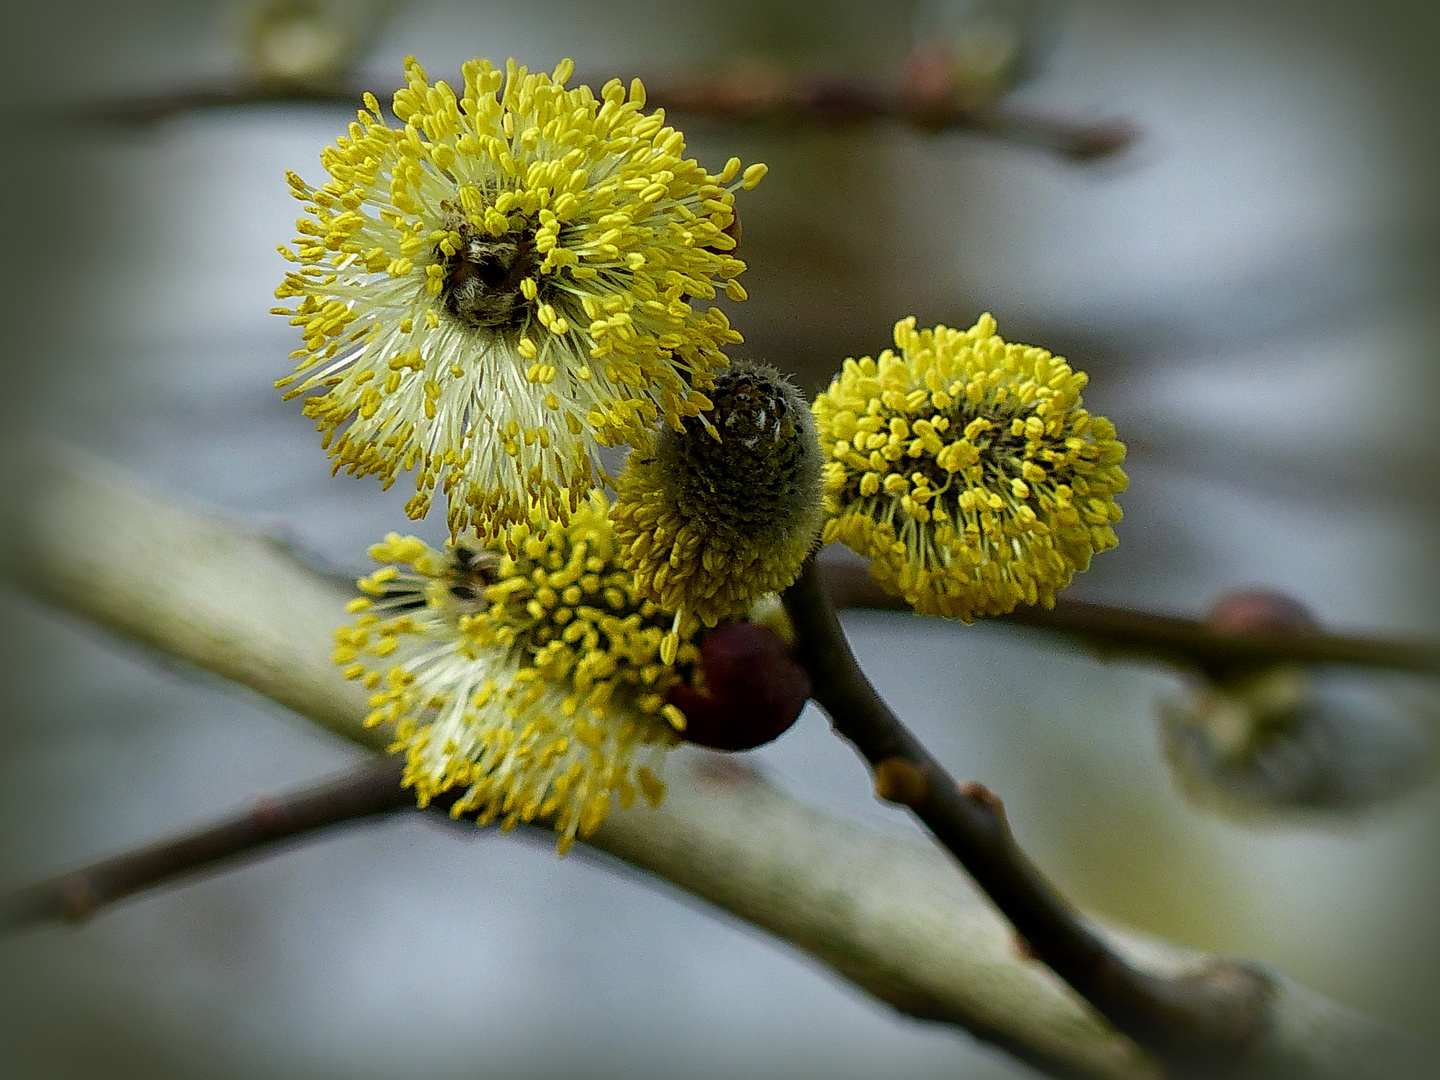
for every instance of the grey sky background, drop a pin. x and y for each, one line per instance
(1250, 289)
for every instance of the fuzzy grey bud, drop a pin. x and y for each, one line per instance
(717, 515)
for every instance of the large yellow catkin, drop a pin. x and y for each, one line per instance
(530, 684)
(503, 284)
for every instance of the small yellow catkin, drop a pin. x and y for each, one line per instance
(966, 469)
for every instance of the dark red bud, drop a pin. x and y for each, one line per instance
(757, 690)
(1260, 611)
(733, 231)
(928, 78)
(746, 89)
(1103, 138)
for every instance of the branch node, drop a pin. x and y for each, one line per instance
(78, 900)
(899, 780)
(271, 815)
(1238, 996)
(982, 796)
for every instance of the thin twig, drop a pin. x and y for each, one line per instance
(368, 790)
(143, 109)
(836, 101)
(1204, 1019)
(727, 100)
(1164, 637)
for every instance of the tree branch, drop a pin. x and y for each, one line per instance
(1162, 637)
(716, 789)
(1208, 1018)
(369, 790)
(731, 100)
(891, 916)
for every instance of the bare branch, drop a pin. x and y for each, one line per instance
(1210, 1017)
(369, 790)
(1163, 637)
(729, 100)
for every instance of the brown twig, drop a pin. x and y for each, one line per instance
(368, 790)
(738, 99)
(745, 98)
(1200, 1021)
(143, 109)
(1164, 637)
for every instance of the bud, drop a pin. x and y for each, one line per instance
(292, 43)
(1260, 611)
(725, 510)
(1283, 740)
(969, 53)
(754, 689)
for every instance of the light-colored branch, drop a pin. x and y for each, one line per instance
(893, 917)
(214, 592)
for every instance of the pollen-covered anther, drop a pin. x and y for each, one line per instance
(500, 284)
(529, 684)
(726, 507)
(967, 470)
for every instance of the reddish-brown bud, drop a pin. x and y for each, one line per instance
(1260, 611)
(756, 689)
(928, 78)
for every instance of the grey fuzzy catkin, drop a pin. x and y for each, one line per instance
(762, 473)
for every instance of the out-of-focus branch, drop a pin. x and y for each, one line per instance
(767, 96)
(1163, 637)
(1207, 1018)
(144, 109)
(893, 917)
(225, 597)
(369, 790)
(742, 98)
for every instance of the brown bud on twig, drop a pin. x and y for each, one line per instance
(754, 692)
(927, 79)
(1260, 611)
(899, 780)
(1266, 740)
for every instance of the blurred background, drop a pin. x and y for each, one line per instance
(1250, 286)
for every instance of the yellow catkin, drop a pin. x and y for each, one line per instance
(502, 283)
(531, 683)
(966, 469)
